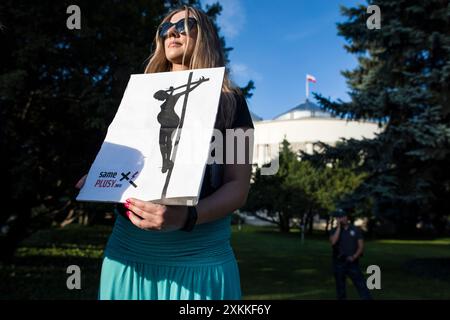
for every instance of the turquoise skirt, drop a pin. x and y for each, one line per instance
(176, 265)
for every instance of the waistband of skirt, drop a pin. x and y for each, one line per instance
(207, 244)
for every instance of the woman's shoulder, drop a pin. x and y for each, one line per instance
(242, 117)
(233, 111)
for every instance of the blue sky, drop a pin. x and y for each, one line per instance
(276, 46)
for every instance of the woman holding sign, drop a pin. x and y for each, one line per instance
(180, 252)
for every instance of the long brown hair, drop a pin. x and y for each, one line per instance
(207, 53)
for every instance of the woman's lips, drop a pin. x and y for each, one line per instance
(174, 44)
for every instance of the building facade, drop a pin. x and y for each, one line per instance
(302, 126)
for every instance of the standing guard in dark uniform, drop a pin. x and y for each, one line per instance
(348, 246)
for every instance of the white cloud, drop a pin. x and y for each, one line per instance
(241, 73)
(232, 18)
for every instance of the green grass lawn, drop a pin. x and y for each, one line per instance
(272, 265)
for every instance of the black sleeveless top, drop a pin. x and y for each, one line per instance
(213, 177)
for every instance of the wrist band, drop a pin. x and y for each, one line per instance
(191, 219)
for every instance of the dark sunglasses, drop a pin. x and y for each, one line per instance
(179, 26)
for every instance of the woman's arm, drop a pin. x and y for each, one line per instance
(229, 197)
(233, 193)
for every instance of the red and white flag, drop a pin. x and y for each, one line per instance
(310, 78)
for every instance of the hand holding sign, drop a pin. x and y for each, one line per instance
(151, 216)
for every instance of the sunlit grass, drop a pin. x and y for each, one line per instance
(442, 241)
(272, 265)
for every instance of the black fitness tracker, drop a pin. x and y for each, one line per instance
(191, 219)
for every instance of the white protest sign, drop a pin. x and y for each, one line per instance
(158, 143)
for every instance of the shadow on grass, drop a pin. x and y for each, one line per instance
(436, 268)
(45, 277)
(39, 268)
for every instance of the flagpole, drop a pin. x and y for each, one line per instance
(307, 87)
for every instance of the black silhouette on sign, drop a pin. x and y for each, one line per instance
(170, 121)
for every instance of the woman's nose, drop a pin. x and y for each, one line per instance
(172, 32)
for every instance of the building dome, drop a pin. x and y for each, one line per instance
(304, 110)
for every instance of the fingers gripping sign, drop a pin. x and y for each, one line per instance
(145, 215)
(152, 216)
(136, 220)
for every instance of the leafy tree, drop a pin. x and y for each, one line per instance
(274, 194)
(402, 82)
(324, 187)
(298, 189)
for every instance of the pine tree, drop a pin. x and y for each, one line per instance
(401, 82)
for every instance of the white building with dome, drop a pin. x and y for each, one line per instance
(302, 126)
